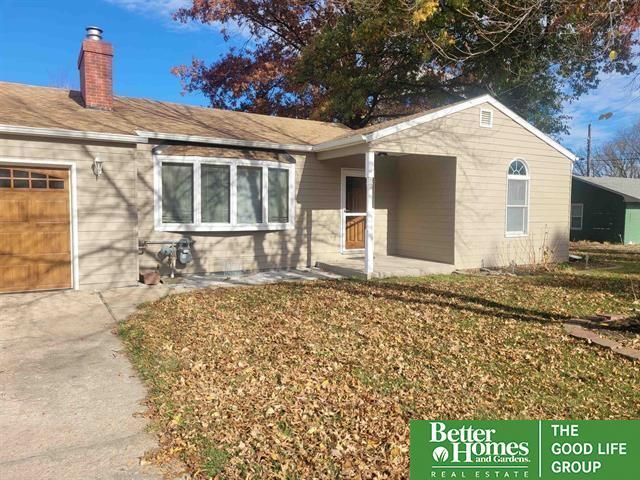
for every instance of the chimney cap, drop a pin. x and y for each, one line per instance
(94, 33)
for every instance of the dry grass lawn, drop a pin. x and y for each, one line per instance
(319, 380)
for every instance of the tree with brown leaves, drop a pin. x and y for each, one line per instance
(361, 61)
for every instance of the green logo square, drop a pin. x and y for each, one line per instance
(525, 449)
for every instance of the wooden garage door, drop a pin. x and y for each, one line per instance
(35, 226)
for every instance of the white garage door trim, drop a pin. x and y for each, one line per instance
(71, 166)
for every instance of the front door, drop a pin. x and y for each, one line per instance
(355, 212)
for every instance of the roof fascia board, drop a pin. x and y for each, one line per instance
(223, 141)
(75, 134)
(339, 143)
(625, 197)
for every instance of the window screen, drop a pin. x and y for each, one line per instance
(516, 219)
(249, 184)
(177, 193)
(215, 193)
(517, 192)
(278, 195)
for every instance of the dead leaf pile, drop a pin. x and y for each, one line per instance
(319, 380)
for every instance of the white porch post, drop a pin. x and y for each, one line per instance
(368, 246)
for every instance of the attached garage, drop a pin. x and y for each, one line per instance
(35, 228)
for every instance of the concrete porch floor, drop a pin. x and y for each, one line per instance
(385, 266)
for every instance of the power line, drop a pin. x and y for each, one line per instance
(627, 114)
(634, 99)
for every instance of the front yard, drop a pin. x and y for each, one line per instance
(319, 380)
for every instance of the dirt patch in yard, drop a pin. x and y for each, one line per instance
(320, 380)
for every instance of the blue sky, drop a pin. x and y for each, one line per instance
(39, 42)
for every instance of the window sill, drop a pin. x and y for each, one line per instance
(173, 227)
(516, 235)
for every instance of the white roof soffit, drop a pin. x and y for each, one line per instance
(77, 134)
(224, 141)
(428, 117)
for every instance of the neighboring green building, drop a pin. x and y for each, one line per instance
(605, 209)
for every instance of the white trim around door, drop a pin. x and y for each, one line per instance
(344, 173)
(73, 200)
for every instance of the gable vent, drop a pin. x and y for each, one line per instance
(486, 118)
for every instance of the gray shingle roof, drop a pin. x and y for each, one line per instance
(629, 188)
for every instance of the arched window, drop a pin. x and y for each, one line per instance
(517, 199)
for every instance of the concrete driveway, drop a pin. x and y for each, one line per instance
(68, 395)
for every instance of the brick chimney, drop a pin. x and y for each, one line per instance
(95, 63)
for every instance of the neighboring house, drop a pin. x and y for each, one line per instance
(605, 209)
(85, 177)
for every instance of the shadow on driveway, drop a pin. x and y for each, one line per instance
(68, 395)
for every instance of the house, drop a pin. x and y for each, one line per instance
(92, 184)
(605, 209)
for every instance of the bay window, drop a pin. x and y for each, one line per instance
(221, 194)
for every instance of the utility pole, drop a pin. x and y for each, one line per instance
(589, 172)
(604, 116)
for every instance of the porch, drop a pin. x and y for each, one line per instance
(397, 214)
(385, 266)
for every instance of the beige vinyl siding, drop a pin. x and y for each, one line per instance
(385, 204)
(107, 218)
(426, 208)
(316, 236)
(482, 158)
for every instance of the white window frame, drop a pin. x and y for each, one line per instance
(483, 110)
(526, 177)
(233, 225)
(344, 173)
(571, 216)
